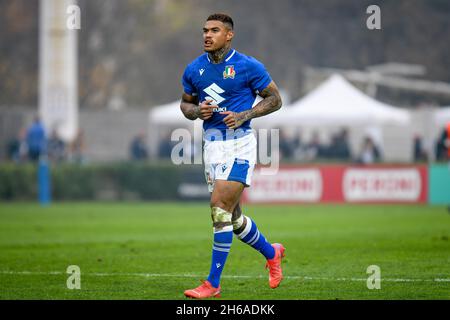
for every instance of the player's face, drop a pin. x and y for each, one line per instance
(215, 35)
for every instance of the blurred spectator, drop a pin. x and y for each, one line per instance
(138, 149)
(56, 147)
(369, 153)
(442, 146)
(299, 148)
(341, 147)
(289, 146)
(17, 147)
(165, 146)
(419, 153)
(13, 148)
(77, 149)
(314, 149)
(36, 140)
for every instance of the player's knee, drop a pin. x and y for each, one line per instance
(219, 204)
(221, 218)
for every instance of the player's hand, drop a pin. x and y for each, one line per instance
(233, 120)
(205, 110)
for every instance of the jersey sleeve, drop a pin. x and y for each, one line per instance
(258, 77)
(188, 86)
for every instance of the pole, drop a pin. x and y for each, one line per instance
(44, 183)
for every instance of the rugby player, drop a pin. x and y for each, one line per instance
(220, 88)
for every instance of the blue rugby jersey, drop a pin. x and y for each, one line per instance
(232, 85)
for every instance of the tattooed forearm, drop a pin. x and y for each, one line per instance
(189, 106)
(190, 111)
(271, 102)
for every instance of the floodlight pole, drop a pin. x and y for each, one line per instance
(58, 80)
(58, 68)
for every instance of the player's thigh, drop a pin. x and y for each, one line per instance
(226, 194)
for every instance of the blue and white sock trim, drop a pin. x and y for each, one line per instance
(223, 247)
(224, 229)
(255, 238)
(247, 228)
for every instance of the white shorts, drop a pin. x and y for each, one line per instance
(232, 160)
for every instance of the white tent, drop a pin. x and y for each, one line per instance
(169, 116)
(336, 102)
(442, 116)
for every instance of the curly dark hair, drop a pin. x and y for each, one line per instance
(226, 19)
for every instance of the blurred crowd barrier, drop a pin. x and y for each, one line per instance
(307, 183)
(125, 181)
(108, 136)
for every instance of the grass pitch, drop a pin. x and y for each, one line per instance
(156, 251)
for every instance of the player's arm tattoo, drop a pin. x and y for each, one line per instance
(271, 102)
(189, 106)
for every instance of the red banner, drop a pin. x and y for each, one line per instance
(339, 184)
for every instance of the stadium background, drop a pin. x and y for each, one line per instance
(117, 211)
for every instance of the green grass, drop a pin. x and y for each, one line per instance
(328, 247)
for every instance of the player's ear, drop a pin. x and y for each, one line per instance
(230, 35)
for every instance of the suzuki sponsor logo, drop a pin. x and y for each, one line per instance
(380, 184)
(214, 92)
(220, 109)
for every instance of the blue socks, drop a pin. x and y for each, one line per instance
(221, 247)
(222, 244)
(251, 236)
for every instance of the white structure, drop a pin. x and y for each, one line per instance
(166, 118)
(442, 116)
(58, 76)
(335, 104)
(168, 114)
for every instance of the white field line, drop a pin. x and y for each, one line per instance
(173, 275)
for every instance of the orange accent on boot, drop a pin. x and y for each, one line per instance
(274, 266)
(205, 290)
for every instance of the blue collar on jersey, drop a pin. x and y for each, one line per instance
(228, 57)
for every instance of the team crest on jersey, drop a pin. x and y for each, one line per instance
(229, 72)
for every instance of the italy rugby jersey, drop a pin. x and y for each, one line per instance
(232, 85)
